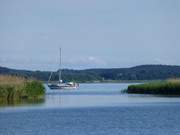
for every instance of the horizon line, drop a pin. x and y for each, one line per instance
(88, 68)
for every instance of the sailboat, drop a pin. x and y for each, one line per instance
(60, 84)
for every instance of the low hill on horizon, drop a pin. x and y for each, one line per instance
(143, 72)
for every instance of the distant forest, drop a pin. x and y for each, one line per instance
(144, 72)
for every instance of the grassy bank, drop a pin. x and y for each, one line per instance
(17, 88)
(168, 87)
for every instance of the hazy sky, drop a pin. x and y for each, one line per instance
(92, 33)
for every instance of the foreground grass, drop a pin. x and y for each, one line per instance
(17, 88)
(168, 87)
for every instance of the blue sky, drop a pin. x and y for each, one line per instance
(92, 33)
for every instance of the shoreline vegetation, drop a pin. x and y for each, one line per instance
(14, 89)
(167, 87)
(131, 74)
(112, 81)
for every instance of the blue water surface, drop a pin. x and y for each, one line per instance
(94, 109)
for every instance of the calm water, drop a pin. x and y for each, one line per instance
(93, 109)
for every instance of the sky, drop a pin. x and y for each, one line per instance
(91, 33)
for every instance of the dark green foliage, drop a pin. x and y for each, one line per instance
(145, 72)
(34, 89)
(161, 88)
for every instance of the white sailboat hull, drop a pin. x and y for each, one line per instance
(63, 86)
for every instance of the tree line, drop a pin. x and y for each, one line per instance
(143, 72)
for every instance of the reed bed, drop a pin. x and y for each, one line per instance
(17, 88)
(168, 87)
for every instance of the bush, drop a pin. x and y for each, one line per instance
(34, 89)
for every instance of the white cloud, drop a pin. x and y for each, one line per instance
(85, 62)
(95, 60)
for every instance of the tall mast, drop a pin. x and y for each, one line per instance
(50, 77)
(60, 66)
